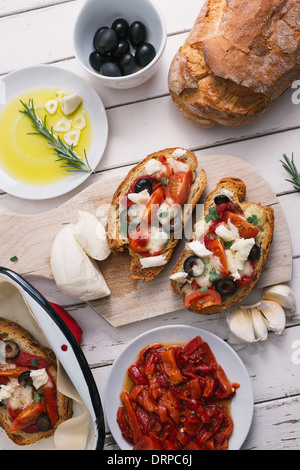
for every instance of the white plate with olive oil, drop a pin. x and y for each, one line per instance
(35, 164)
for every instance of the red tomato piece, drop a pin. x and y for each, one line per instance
(202, 299)
(51, 399)
(138, 238)
(246, 230)
(179, 187)
(247, 274)
(152, 206)
(217, 248)
(27, 416)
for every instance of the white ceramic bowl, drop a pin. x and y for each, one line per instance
(97, 13)
(241, 405)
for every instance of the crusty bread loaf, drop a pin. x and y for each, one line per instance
(264, 238)
(119, 244)
(239, 57)
(12, 331)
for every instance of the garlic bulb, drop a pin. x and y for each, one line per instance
(241, 326)
(282, 294)
(274, 315)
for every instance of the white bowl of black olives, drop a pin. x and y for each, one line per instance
(120, 42)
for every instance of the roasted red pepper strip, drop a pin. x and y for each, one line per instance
(171, 367)
(51, 399)
(136, 375)
(27, 416)
(6, 372)
(131, 418)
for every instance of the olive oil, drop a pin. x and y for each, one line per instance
(27, 157)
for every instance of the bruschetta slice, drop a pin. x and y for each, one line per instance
(151, 207)
(31, 406)
(226, 256)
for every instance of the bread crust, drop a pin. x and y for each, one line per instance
(118, 244)
(28, 343)
(238, 189)
(238, 58)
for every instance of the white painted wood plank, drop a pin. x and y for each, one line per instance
(9, 7)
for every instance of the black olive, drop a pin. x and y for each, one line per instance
(12, 349)
(106, 41)
(225, 286)
(25, 379)
(110, 70)
(121, 27)
(127, 64)
(143, 183)
(96, 36)
(144, 54)
(194, 266)
(43, 422)
(137, 33)
(97, 60)
(254, 252)
(123, 48)
(220, 199)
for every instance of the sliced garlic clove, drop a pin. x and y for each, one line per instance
(79, 122)
(70, 103)
(72, 137)
(63, 125)
(274, 315)
(240, 325)
(59, 94)
(282, 294)
(259, 325)
(51, 106)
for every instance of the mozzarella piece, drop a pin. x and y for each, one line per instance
(91, 236)
(179, 153)
(153, 166)
(135, 213)
(6, 391)
(227, 193)
(63, 125)
(242, 248)
(139, 198)
(167, 213)
(199, 249)
(51, 106)
(227, 233)
(74, 272)
(70, 103)
(39, 377)
(179, 277)
(157, 239)
(178, 166)
(72, 137)
(153, 261)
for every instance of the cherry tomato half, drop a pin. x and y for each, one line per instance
(246, 230)
(201, 300)
(179, 187)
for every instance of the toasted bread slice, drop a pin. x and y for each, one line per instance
(13, 332)
(251, 265)
(118, 243)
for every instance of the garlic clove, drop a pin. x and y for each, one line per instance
(51, 106)
(282, 294)
(72, 137)
(241, 326)
(274, 315)
(70, 103)
(79, 122)
(63, 125)
(259, 325)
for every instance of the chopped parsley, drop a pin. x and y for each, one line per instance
(204, 289)
(14, 259)
(213, 275)
(163, 214)
(253, 219)
(228, 244)
(212, 215)
(164, 180)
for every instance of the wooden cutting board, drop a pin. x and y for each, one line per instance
(30, 239)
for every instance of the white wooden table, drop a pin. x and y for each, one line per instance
(143, 120)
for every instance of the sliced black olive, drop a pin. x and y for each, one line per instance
(254, 252)
(194, 266)
(143, 183)
(225, 286)
(25, 379)
(220, 199)
(43, 422)
(12, 349)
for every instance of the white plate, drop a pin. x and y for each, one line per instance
(241, 405)
(23, 80)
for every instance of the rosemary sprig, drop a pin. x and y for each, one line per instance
(65, 153)
(291, 168)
